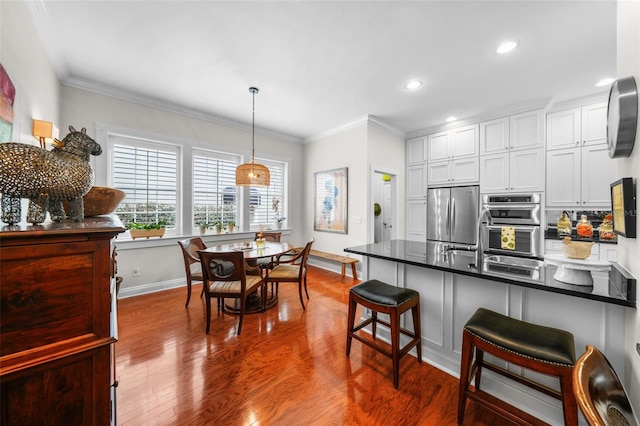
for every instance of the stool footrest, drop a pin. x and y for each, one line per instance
(523, 380)
(494, 404)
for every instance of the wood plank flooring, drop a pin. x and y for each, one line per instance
(288, 367)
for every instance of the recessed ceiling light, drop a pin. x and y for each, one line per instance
(450, 119)
(506, 47)
(605, 82)
(413, 85)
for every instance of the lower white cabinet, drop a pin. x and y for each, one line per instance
(454, 171)
(515, 171)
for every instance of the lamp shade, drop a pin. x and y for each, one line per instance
(252, 174)
(45, 131)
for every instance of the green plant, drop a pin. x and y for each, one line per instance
(157, 225)
(232, 223)
(280, 218)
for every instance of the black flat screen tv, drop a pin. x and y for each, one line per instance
(623, 207)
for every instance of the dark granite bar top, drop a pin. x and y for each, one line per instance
(621, 288)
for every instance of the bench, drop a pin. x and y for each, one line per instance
(344, 260)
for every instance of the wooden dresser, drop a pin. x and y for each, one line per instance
(58, 323)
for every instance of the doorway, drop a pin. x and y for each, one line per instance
(383, 206)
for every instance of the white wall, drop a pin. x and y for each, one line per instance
(23, 57)
(629, 249)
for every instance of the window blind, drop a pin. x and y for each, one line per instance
(214, 189)
(262, 200)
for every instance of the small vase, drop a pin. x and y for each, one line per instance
(203, 229)
(278, 225)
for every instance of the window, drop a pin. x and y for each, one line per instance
(263, 200)
(214, 188)
(148, 173)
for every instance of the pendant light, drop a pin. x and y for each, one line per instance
(252, 173)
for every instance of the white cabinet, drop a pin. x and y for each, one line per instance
(451, 144)
(456, 171)
(416, 181)
(599, 251)
(512, 153)
(586, 125)
(416, 151)
(579, 170)
(520, 131)
(579, 177)
(417, 220)
(452, 156)
(515, 171)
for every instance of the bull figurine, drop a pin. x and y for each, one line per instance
(47, 178)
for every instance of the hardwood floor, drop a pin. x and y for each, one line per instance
(288, 367)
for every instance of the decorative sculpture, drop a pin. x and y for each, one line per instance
(47, 178)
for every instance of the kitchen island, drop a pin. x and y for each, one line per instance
(452, 287)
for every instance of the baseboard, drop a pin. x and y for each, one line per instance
(150, 288)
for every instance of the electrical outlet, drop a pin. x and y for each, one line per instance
(135, 271)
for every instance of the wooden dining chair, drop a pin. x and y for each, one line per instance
(291, 268)
(267, 262)
(226, 277)
(193, 272)
(599, 392)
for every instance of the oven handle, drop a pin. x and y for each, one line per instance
(517, 227)
(512, 206)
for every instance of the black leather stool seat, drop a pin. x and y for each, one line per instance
(384, 294)
(544, 344)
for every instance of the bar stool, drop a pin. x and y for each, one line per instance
(386, 299)
(542, 349)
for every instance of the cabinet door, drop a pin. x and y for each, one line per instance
(608, 252)
(597, 175)
(464, 141)
(563, 129)
(466, 170)
(416, 182)
(417, 220)
(494, 136)
(438, 146)
(415, 150)
(563, 178)
(494, 173)
(438, 173)
(527, 130)
(594, 124)
(526, 170)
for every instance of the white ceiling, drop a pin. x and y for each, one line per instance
(320, 65)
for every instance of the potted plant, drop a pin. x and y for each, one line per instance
(202, 226)
(146, 230)
(218, 226)
(279, 220)
(231, 225)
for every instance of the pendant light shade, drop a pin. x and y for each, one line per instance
(252, 173)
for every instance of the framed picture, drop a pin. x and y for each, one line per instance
(623, 206)
(330, 208)
(7, 97)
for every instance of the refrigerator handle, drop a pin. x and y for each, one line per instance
(453, 217)
(448, 221)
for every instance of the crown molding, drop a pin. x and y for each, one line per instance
(367, 119)
(542, 103)
(149, 101)
(378, 122)
(578, 102)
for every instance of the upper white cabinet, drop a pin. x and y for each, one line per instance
(452, 156)
(585, 125)
(512, 153)
(579, 170)
(520, 131)
(451, 144)
(416, 151)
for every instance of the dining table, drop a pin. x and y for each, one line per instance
(253, 251)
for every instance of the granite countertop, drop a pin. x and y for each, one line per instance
(620, 289)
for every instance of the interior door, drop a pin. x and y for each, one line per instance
(387, 217)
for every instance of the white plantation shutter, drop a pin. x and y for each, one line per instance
(261, 199)
(147, 173)
(214, 188)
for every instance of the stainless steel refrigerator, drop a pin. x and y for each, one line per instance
(451, 217)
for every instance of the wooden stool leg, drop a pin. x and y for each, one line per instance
(417, 331)
(353, 271)
(395, 346)
(479, 364)
(465, 367)
(344, 272)
(374, 322)
(569, 404)
(350, 322)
